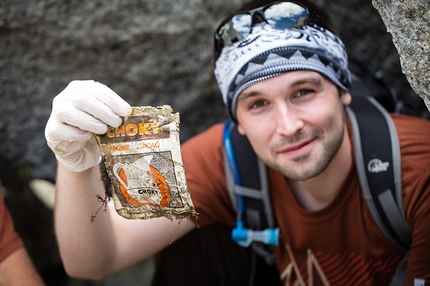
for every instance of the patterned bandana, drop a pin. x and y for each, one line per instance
(269, 52)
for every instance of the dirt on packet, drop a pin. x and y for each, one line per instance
(143, 161)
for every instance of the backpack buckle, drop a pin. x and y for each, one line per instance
(244, 236)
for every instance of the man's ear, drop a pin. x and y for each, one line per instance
(240, 129)
(345, 97)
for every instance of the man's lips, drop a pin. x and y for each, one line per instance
(297, 149)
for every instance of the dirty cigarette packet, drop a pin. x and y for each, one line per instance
(143, 161)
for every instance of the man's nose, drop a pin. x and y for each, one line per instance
(287, 121)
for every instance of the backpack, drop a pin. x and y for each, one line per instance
(377, 156)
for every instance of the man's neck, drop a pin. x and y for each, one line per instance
(317, 193)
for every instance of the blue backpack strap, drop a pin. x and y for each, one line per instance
(248, 188)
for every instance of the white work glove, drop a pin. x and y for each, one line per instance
(82, 109)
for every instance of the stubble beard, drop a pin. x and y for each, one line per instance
(303, 169)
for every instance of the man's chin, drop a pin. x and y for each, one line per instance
(297, 172)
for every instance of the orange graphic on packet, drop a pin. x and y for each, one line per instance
(158, 179)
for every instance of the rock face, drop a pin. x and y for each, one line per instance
(409, 23)
(151, 53)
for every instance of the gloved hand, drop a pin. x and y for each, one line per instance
(80, 110)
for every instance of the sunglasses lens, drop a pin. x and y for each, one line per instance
(236, 29)
(286, 15)
(281, 15)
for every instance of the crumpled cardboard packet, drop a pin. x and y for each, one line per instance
(143, 161)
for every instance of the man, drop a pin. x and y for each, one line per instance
(16, 267)
(285, 83)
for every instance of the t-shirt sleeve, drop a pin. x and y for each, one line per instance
(202, 156)
(9, 238)
(414, 138)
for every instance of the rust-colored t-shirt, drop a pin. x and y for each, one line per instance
(9, 239)
(340, 244)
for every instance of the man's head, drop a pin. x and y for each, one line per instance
(295, 123)
(254, 45)
(284, 80)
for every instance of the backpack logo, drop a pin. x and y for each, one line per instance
(377, 166)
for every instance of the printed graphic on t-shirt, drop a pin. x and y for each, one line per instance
(341, 269)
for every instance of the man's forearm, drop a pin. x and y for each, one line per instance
(82, 243)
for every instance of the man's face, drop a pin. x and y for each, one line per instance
(295, 122)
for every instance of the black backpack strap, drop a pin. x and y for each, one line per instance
(247, 183)
(378, 163)
(399, 278)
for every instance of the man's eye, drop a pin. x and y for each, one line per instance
(303, 92)
(258, 104)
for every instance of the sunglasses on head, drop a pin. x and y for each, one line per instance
(279, 15)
